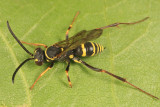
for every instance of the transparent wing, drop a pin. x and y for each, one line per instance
(78, 39)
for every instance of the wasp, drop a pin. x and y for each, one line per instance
(71, 48)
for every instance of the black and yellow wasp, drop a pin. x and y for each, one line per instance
(71, 49)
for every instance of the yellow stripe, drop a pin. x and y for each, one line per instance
(62, 49)
(71, 56)
(97, 48)
(46, 52)
(83, 50)
(77, 61)
(100, 48)
(36, 60)
(48, 56)
(93, 48)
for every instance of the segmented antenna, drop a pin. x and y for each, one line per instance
(15, 72)
(9, 28)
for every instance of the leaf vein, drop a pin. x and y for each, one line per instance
(36, 24)
(15, 61)
(133, 42)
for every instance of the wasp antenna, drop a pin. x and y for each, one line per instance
(9, 28)
(14, 74)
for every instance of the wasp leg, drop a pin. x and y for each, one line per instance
(35, 44)
(67, 69)
(117, 24)
(42, 75)
(70, 26)
(113, 75)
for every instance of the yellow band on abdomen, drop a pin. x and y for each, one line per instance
(83, 50)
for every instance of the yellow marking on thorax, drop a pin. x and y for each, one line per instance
(35, 51)
(71, 56)
(36, 60)
(93, 48)
(62, 49)
(46, 52)
(83, 50)
(48, 56)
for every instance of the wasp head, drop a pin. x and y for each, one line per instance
(39, 56)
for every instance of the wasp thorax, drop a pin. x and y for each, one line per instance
(52, 52)
(39, 56)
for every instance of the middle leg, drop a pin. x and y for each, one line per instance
(67, 69)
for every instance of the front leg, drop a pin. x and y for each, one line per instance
(52, 63)
(35, 44)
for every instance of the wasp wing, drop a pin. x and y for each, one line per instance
(78, 39)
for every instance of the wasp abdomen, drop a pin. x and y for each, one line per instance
(88, 49)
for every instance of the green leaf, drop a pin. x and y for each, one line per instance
(131, 52)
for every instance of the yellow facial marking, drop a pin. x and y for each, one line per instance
(83, 50)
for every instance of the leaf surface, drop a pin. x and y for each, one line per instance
(131, 52)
